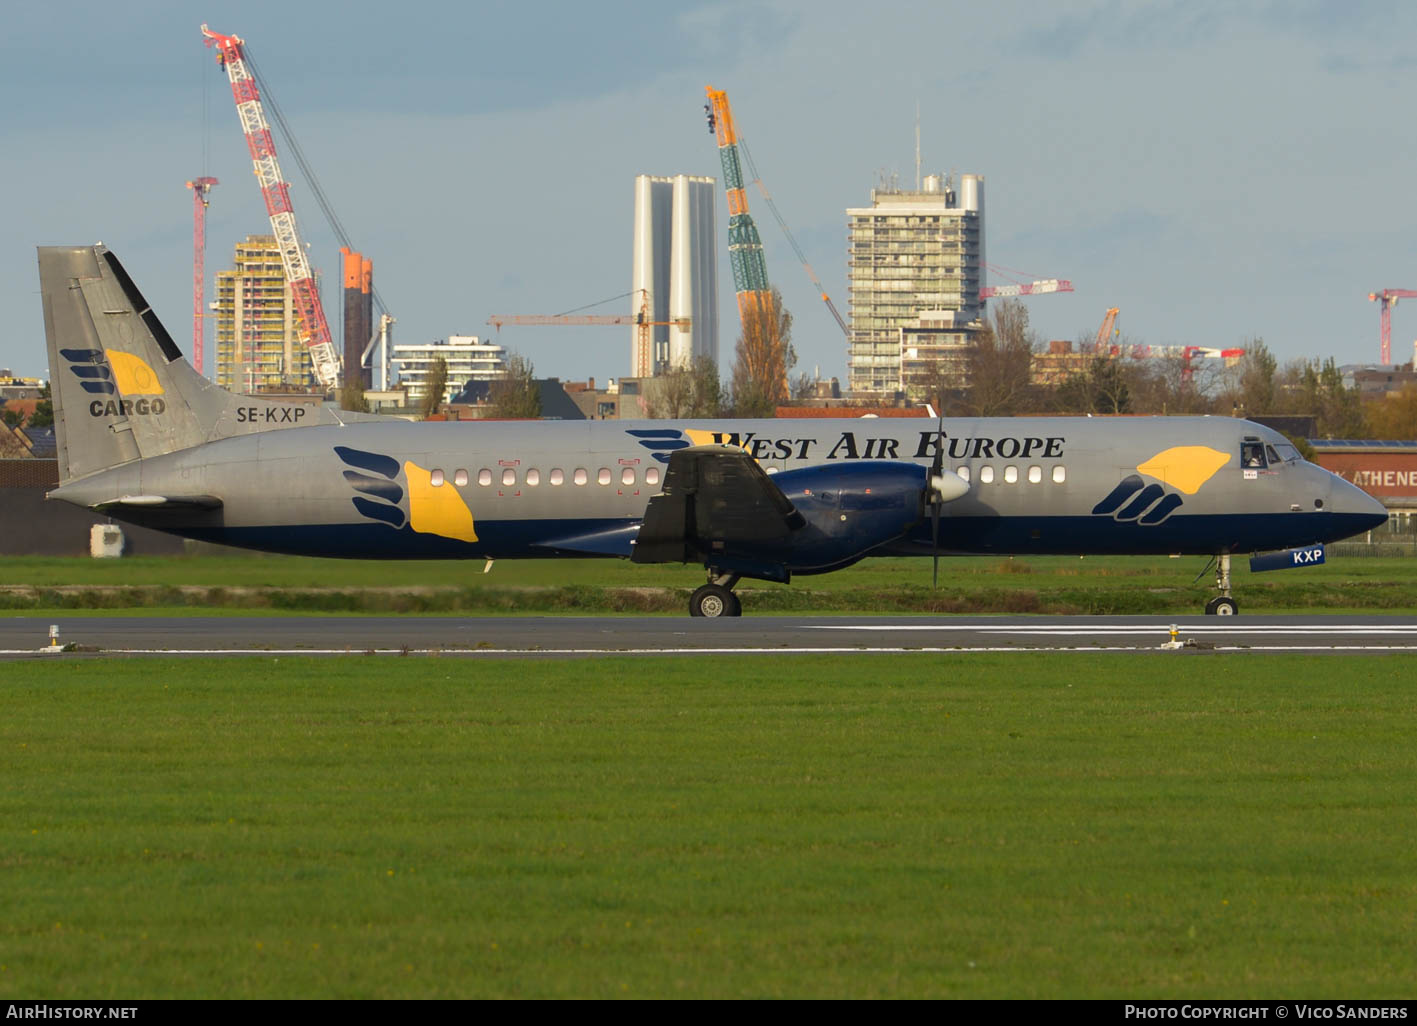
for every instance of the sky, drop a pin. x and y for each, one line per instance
(1218, 170)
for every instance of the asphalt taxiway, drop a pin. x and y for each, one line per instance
(589, 636)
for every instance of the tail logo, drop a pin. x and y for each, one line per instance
(89, 366)
(117, 373)
(133, 375)
(432, 508)
(1185, 468)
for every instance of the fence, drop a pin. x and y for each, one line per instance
(1397, 537)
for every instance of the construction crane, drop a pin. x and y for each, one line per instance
(1388, 298)
(1104, 333)
(200, 187)
(315, 330)
(762, 353)
(716, 118)
(1032, 288)
(745, 248)
(641, 320)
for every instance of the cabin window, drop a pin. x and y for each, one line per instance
(627, 476)
(1252, 454)
(652, 476)
(460, 477)
(581, 477)
(1060, 474)
(436, 478)
(509, 476)
(1011, 475)
(533, 477)
(963, 472)
(986, 475)
(484, 477)
(1035, 475)
(603, 477)
(557, 476)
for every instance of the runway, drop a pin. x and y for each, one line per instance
(22, 637)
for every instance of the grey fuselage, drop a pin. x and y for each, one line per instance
(1036, 485)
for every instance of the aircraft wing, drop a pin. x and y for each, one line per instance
(716, 501)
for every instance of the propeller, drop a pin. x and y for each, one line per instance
(944, 486)
(937, 466)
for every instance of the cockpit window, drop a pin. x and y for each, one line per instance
(1287, 452)
(1273, 456)
(1252, 454)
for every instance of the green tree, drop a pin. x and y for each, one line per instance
(1337, 410)
(1394, 416)
(1256, 388)
(351, 397)
(517, 396)
(437, 386)
(691, 391)
(43, 415)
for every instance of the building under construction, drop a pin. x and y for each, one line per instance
(257, 345)
(915, 263)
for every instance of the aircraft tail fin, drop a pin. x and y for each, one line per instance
(122, 389)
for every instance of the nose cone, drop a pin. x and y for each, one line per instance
(948, 486)
(1351, 510)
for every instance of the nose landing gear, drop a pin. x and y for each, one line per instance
(1223, 604)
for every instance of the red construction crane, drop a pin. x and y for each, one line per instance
(200, 187)
(315, 330)
(1389, 298)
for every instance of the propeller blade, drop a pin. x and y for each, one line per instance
(937, 467)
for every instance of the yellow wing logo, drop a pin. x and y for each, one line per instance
(1185, 467)
(436, 509)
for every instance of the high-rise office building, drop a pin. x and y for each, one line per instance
(915, 263)
(258, 343)
(675, 262)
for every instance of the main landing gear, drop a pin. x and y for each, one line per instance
(1222, 604)
(716, 598)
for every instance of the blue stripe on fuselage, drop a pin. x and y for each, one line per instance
(1069, 535)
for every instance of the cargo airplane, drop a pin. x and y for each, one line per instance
(146, 439)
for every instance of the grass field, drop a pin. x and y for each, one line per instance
(917, 826)
(1059, 585)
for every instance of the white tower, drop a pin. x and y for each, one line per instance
(675, 264)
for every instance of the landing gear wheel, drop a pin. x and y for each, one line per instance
(714, 600)
(1222, 606)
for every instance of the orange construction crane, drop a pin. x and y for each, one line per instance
(642, 320)
(1104, 333)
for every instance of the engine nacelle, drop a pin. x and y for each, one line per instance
(850, 509)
